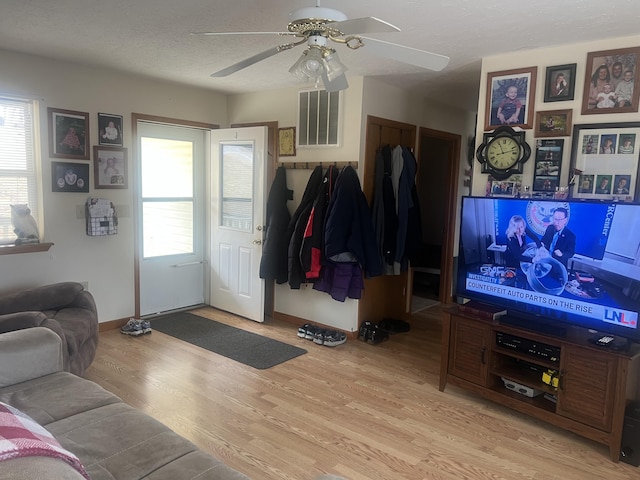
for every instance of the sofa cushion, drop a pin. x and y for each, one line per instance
(21, 436)
(111, 438)
(47, 297)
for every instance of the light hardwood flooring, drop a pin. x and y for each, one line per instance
(356, 410)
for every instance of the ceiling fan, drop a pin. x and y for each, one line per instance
(317, 26)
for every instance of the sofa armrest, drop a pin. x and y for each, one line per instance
(29, 353)
(16, 321)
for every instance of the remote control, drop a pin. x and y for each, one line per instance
(604, 340)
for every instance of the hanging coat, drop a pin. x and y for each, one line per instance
(312, 253)
(296, 228)
(273, 265)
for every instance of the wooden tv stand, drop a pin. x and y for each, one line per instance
(595, 383)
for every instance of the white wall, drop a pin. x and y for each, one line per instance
(543, 58)
(106, 263)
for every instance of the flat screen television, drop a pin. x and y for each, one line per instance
(589, 276)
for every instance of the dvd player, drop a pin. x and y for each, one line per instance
(528, 347)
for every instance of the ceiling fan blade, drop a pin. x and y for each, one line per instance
(240, 33)
(364, 25)
(335, 85)
(247, 62)
(410, 55)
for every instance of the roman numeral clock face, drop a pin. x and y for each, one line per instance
(503, 152)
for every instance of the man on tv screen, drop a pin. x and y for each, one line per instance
(558, 239)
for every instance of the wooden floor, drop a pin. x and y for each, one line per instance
(357, 410)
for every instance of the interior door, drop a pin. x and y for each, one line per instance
(172, 213)
(238, 162)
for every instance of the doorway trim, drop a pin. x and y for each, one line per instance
(454, 142)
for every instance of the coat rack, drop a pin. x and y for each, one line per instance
(312, 165)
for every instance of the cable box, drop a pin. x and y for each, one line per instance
(528, 347)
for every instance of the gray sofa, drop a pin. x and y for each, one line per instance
(65, 308)
(111, 439)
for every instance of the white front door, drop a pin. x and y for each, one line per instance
(172, 216)
(238, 163)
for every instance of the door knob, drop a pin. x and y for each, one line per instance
(257, 242)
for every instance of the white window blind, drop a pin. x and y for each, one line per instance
(18, 173)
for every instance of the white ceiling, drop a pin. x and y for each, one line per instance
(152, 37)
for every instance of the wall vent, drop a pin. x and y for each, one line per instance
(319, 118)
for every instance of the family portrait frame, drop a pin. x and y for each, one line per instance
(604, 162)
(548, 165)
(110, 167)
(510, 98)
(68, 134)
(69, 177)
(553, 123)
(611, 83)
(110, 130)
(560, 83)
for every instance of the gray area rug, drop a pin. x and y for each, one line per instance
(239, 345)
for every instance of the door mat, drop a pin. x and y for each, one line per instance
(239, 345)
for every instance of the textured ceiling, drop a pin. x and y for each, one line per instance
(152, 37)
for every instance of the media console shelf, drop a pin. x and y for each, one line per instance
(594, 383)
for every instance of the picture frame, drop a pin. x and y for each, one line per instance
(548, 165)
(611, 67)
(68, 134)
(516, 88)
(69, 177)
(604, 162)
(287, 142)
(110, 129)
(110, 167)
(510, 187)
(560, 83)
(553, 123)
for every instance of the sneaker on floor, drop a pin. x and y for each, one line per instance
(365, 331)
(146, 326)
(302, 331)
(311, 332)
(132, 327)
(319, 336)
(333, 338)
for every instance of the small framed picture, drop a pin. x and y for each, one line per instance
(560, 83)
(548, 163)
(110, 129)
(287, 142)
(109, 167)
(503, 188)
(510, 96)
(69, 177)
(68, 134)
(553, 123)
(611, 83)
(605, 162)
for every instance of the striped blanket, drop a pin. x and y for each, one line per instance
(21, 436)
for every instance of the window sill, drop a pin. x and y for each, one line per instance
(30, 248)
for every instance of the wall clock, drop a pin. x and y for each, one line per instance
(503, 152)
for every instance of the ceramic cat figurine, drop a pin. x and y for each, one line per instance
(24, 225)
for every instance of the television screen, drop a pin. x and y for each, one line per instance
(574, 262)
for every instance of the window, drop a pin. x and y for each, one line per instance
(318, 118)
(18, 172)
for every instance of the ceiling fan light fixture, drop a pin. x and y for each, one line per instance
(333, 66)
(313, 65)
